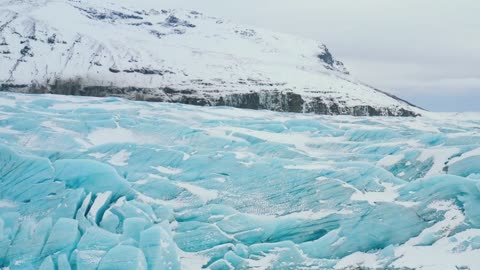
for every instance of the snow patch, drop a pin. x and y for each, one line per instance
(440, 158)
(167, 170)
(390, 160)
(120, 158)
(203, 194)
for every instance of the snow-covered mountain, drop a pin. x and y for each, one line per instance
(140, 50)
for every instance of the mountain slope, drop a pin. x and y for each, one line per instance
(137, 50)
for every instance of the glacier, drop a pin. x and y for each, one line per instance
(107, 183)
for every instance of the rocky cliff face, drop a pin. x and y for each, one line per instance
(138, 50)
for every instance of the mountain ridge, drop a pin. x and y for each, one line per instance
(137, 50)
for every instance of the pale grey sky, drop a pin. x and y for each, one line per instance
(426, 51)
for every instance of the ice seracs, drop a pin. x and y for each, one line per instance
(170, 189)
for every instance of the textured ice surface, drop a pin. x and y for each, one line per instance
(89, 183)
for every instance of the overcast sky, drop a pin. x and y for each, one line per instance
(427, 52)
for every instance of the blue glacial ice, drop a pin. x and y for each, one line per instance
(91, 183)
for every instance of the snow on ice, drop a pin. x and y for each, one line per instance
(105, 183)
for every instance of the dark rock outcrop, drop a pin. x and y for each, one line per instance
(327, 57)
(282, 101)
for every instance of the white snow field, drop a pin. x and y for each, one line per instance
(140, 50)
(106, 183)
